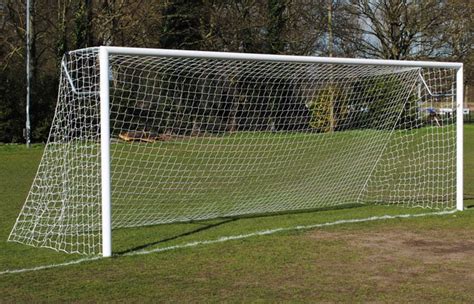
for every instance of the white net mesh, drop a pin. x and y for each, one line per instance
(195, 138)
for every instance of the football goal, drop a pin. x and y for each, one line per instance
(151, 136)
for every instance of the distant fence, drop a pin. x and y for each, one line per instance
(468, 117)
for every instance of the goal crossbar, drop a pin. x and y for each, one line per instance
(270, 57)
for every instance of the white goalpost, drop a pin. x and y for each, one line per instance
(150, 136)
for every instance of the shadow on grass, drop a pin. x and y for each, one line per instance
(194, 231)
(226, 220)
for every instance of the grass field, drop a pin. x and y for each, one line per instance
(426, 259)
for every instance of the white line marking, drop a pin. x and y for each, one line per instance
(51, 265)
(230, 238)
(272, 231)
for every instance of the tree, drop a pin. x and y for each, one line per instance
(329, 109)
(62, 35)
(235, 25)
(181, 26)
(397, 29)
(458, 36)
(276, 26)
(83, 24)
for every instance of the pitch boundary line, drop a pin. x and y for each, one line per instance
(229, 238)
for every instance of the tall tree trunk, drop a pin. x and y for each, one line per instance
(276, 25)
(110, 21)
(182, 25)
(82, 20)
(330, 36)
(62, 42)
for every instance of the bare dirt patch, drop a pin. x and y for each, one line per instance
(399, 257)
(429, 246)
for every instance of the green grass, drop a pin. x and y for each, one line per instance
(426, 259)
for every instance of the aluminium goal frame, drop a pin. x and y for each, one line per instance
(105, 51)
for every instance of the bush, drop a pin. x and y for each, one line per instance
(328, 110)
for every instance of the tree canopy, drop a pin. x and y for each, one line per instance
(392, 29)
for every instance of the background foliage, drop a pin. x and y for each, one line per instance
(392, 29)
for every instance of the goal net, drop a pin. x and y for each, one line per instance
(195, 137)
